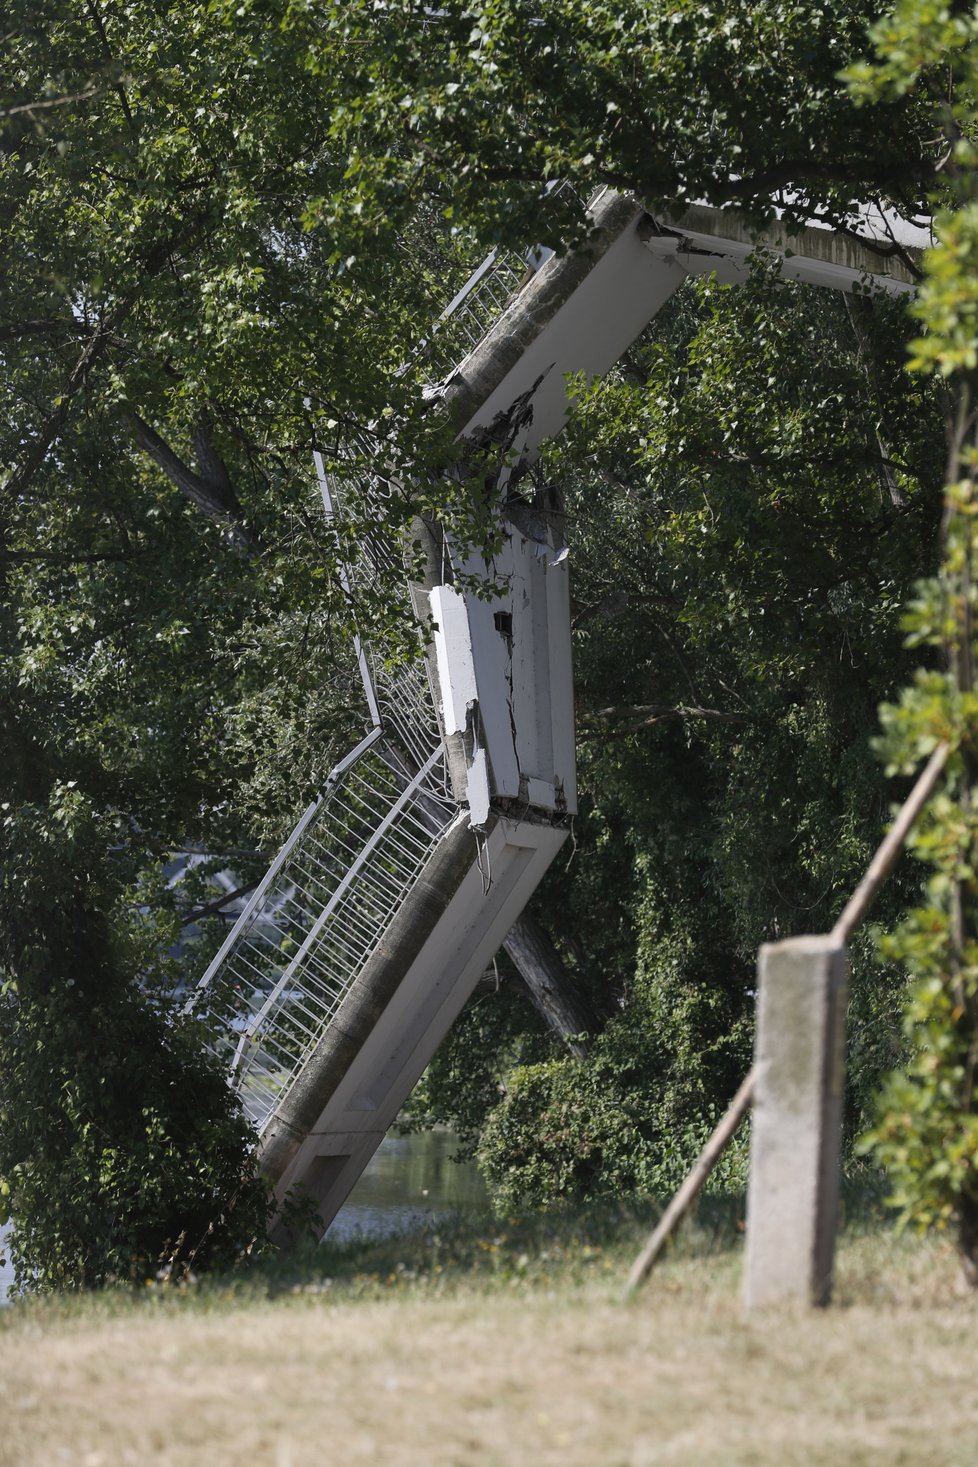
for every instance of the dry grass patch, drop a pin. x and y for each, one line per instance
(535, 1366)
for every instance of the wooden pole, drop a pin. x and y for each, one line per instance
(888, 854)
(690, 1188)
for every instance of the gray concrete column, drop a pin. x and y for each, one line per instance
(793, 1196)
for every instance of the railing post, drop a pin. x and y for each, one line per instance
(799, 1068)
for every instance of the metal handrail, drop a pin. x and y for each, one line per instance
(351, 875)
(349, 869)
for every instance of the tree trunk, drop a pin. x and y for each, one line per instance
(549, 985)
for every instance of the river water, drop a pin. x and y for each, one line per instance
(411, 1180)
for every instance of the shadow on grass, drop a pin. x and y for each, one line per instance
(565, 1244)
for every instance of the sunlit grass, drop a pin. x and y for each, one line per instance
(505, 1343)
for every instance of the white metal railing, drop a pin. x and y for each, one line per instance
(407, 710)
(475, 309)
(399, 693)
(317, 918)
(471, 313)
(313, 923)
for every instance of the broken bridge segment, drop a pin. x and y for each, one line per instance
(502, 663)
(500, 670)
(382, 910)
(423, 969)
(881, 253)
(502, 754)
(505, 683)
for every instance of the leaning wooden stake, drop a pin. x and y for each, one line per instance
(889, 851)
(687, 1193)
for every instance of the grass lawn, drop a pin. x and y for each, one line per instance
(503, 1347)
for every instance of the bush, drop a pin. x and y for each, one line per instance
(122, 1150)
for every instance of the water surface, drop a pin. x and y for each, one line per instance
(410, 1181)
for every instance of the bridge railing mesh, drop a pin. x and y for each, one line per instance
(317, 919)
(401, 689)
(476, 308)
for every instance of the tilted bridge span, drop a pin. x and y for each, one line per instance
(359, 949)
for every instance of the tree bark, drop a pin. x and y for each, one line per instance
(213, 495)
(549, 985)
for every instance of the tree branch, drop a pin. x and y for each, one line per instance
(212, 466)
(646, 715)
(54, 559)
(214, 907)
(107, 50)
(214, 497)
(45, 327)
(55, 421)
(49, 102)
(103, 336)
(551, 989)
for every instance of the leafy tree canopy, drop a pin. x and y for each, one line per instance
(478, 104)
(226, 228)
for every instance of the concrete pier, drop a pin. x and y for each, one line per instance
(793, 1196)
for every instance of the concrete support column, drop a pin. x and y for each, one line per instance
(793, 1196)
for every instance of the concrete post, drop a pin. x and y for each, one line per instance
(793, 1196)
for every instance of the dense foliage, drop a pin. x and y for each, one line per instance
(165, 607)
(226, 228)
(122, 1151)
(926, 1133)
(478, 102)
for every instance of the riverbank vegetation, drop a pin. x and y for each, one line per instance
(502, 1345)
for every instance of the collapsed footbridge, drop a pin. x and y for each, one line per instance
(362, 944)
